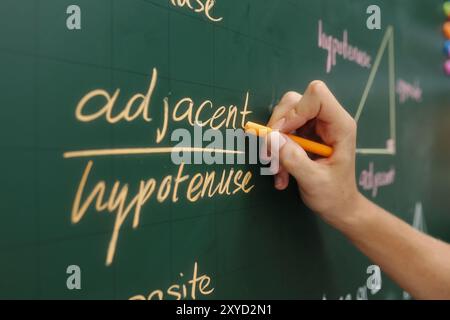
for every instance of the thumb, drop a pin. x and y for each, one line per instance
(292, 157)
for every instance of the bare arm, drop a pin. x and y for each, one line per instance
(419, 263)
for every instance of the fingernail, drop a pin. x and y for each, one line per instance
(278, 181)
(279, 124)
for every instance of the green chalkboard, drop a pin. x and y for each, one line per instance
(88, 100)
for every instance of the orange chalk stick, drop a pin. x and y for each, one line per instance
(307, 145)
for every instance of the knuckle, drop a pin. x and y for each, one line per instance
(294, 112)
(277, 114)
(276, 109)
(316, 86)
(291, 97)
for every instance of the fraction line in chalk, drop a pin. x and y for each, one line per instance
(142, 151)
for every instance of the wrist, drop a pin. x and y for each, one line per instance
(353, 215)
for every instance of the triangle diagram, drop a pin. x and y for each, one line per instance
(376, 113)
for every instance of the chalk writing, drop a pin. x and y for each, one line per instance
(122, 204)
(370, 180)
(117, 199)
(199, 285)
(407, 91)
(90, 108)
(336, 47)
(198, 6)
(127, 114)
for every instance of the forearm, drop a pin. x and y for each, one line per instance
(419, 263)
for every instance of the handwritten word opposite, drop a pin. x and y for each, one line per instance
(197, 285)
(370, 180)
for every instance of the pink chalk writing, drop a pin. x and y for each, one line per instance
(370, 180)
(407, 91)
(336, 47)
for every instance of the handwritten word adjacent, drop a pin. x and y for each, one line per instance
(199, 285)
(121, 203)
(101, 104)
(336, 47)
(370, 180)
(198, 6)
(407, 91)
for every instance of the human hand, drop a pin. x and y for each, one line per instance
(327, 185)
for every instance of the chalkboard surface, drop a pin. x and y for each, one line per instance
(88, 187)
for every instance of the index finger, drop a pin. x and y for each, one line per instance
(319, 103)
(287, 102)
